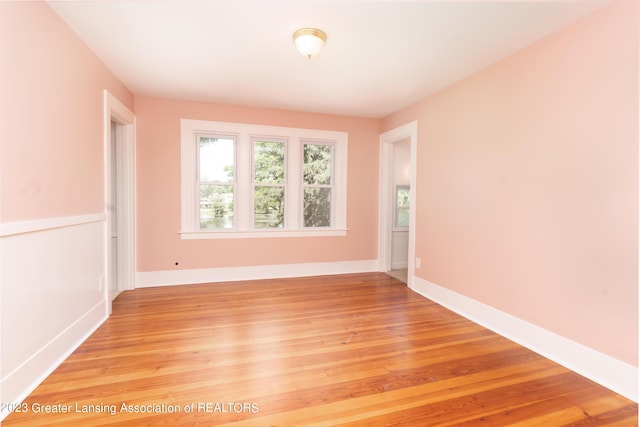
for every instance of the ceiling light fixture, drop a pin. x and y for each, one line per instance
(309, 41)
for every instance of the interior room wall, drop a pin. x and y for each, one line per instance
(158, 188)
(527, 183)
(52, 206)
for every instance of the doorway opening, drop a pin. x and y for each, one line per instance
(119, 198)
(396, 233)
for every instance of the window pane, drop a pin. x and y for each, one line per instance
(402, 218)
(317, 207)
(216, 159)
(268, 162)
(216, 206)
(402, 196)
(317, 164)
(268, 209)
(402, 206)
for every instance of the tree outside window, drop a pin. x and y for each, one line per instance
(269, 184)
(317, 184)
(402, 206)
(216, 186)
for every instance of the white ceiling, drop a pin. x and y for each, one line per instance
(380, 56)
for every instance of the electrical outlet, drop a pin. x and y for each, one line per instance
(418, 262)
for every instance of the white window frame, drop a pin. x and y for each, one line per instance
(254, 139)
(243, 209)
(199, 182)
(331, 185)
(396, 209)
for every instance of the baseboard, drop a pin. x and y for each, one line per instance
(611, 373)
(20, 383)
(230, 274)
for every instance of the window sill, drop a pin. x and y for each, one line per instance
(253, 234)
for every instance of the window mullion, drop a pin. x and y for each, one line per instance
(244, 192)
(332, 185)
(195, 190)
(294, 183)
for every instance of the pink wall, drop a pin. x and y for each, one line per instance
(51, 109)
(159, 246)
(527, 183)
(51, 166)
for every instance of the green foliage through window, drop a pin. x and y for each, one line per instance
(268, 207)
(317, 180)
(317, 207)
(216, 161)
(402, 206)
(317, 164)
(216, 206)
(269, 180)
(268, 163)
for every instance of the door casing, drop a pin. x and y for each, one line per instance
(386, 199)
(124, 207)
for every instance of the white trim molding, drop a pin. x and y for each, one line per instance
(197, 235)
(611, 373)
(125, 199)
(18, 384)
(387, 196)
(22, 227)
(148, 279)
(244, 134)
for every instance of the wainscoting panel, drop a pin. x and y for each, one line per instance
(52, 296)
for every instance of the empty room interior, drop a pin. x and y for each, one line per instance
(260, 213)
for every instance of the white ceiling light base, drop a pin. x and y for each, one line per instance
(309, 41)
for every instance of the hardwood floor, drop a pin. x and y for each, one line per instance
(356, 349)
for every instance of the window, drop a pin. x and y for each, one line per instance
(402, 206)
(215, 181)
(317, 180)
(269, 184)
(240, 180)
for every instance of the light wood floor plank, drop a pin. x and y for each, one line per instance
(353, 350)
